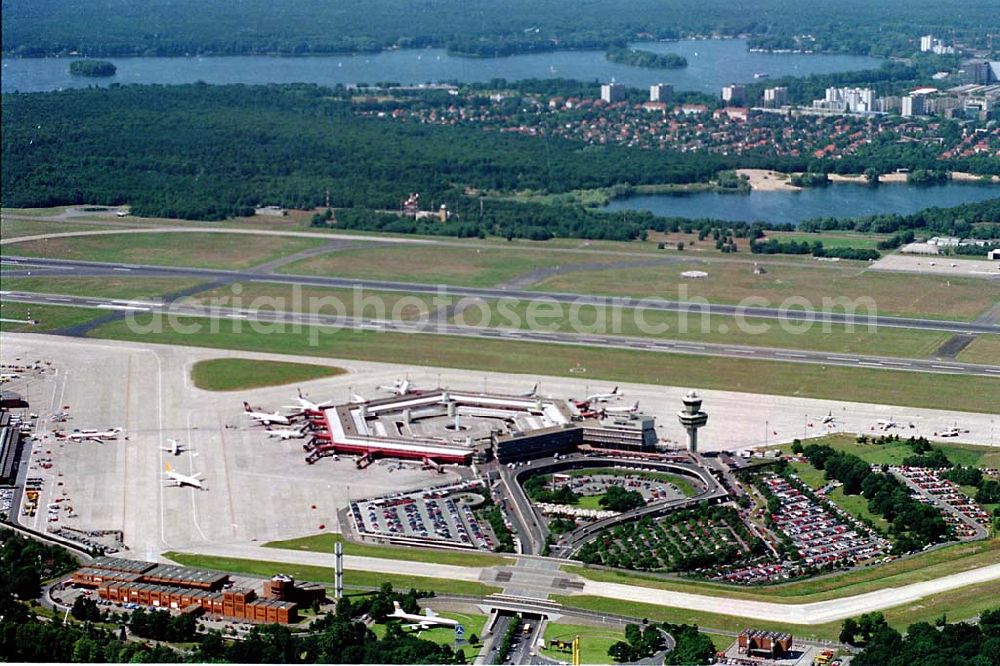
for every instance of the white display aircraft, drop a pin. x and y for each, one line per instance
(175, 448)
(181, 480)
(616, 392)
(399, 387)
(287, 433)
(91, 435)
(627, 409)
(265, 418)
(428, 620)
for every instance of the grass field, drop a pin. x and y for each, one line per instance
(832, 382)
(323, 543)
(472, 266)
(984, 349)
(318, 300)
(200, 250)
(831, 239)
(352, 577)
(893, 453)
(21, 228)
(923, 567)
(716, 329)
(103, 287)
(960, 604)
(230, 374)
(594, 642)
(49, 317)
(732, 281)
(592, 502)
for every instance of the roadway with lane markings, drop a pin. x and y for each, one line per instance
(443, 328)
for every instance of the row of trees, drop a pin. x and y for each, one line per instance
(972, 220)
(815, 248)
(639, 643)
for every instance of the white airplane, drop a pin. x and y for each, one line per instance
(885, 424)
(627, 409)
(90, 435)
(357, 398)
(829, 418)
(532, 393)
(309, 406)
(265, 418)
(399, 387)
(606, 397)
(953, 431)
(428, 620)
(175, 448)
(7, 377)
(287, 433)
(182, 480)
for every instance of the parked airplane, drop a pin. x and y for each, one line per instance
(885, 424)
(606, 397)
(829, 418)
(399, 387)
(357, 398)
(428, 620)
(953, 431)
(91, 435)
(175, 448)
(265, 418)
(532, 393)
(181, 480)
(287, 433)
(7, 377)
(309, 406)
(627, 409)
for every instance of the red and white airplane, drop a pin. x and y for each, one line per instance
(265, 418)
(627, 409)
(616, 393)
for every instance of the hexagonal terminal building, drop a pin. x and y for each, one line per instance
(692, 418)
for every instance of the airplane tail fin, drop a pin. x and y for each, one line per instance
(246, 406)
(395, 606)
(616, 391)
(429, 613)
(169, 468)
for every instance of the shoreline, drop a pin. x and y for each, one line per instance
(764, 180)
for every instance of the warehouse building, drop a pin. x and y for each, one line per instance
(187, 590)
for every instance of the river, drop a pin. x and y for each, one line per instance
(835, 200)
(712, 64)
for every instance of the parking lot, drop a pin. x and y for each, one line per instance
(444, 515)
(967, 519)
(821, 532)
(588, 484)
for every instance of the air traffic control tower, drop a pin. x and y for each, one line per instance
(692, 418)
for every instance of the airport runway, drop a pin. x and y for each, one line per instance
(20, 266)
(649, 344)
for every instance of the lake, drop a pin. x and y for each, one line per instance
(835, 200)
(712, 64)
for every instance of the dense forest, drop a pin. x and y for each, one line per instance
(473, 27)
(957, 643)
(92, 68)
(209, 152)
(648, 59)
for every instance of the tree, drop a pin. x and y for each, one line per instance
(848, 631)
